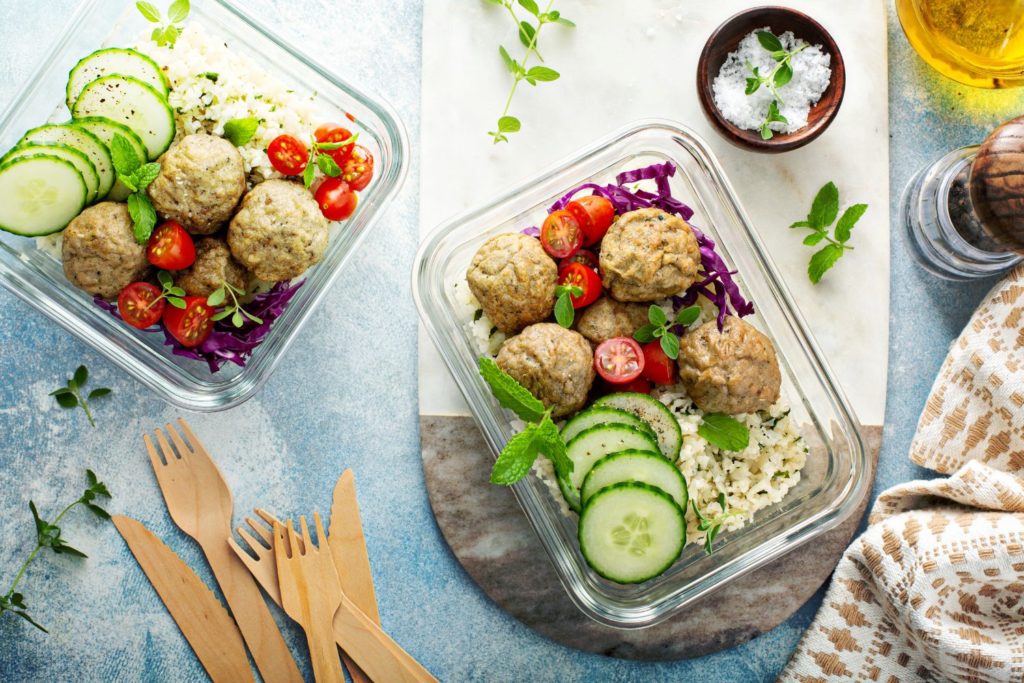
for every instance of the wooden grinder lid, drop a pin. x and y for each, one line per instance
(997, 184)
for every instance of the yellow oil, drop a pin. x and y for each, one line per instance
(977, 42)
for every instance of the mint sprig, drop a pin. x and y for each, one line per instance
(711, 527)
(136, 176)
(823, 213)
(165, 33)
(723, 431)
(72, 395)
(660, 327)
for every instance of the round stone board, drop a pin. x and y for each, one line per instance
(491, 538)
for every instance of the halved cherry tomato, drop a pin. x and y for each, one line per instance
(658, 367)
(595, 214)
(619, 360)
(587, 258)
(637, 386)
(140, 304)
(336, 199)
(331, 133)
(587, 279)
(170, 247)
(190, 325)
(560, 235)
(357, 170)
(287, 155)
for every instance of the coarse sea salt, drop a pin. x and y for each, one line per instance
(811, 75)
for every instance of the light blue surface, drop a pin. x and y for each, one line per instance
(346, 397)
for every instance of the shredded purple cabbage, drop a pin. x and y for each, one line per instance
(227, 343)
(532, 231)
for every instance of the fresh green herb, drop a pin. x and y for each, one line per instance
(711, 527)
(210, 75)
(71, 396)
(773, 116)
(136, 176)
(539, 436)
(528, 34)
(48, 536)
(240, 131)
(166, 34)
(660, 327)
(725, 432)
(565, 312)
(773, 80)
(317, 159)
(823, 212)
(170, 292)
(220, 296)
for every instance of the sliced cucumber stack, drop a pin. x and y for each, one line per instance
(39, 194)
(123, 61)
(133, 103)
(599, 415)
(641, 466)
(73, 136)
(653, 412)
(78, 159)
(105, 129)
(631, 532)
(591, 445)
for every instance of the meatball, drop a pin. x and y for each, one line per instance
(607, 318)
(648, 255)
(100, 253)
(554, 363)
(732, 371)
(213, 266)
(278, 232)
(201, 180)
(514, 280)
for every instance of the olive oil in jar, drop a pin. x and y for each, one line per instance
(977, 42)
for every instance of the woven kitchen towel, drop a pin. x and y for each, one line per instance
(934, 589)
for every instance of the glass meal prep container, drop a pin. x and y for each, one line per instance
(38, 278)
(835, 475)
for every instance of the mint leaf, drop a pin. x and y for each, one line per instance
(849, 218)
(240, 131)
(126, 161)
(510, 393)
(825, 207)
(143, 216)
(725, 432)
(517, 457)
(814, 238)
(822, 260)
(769, 41)
(148, 11)
(552, 445)
(144, 175)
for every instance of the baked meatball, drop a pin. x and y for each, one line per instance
(100, 253)
(607, 318)
(278, 232)
(213, 266)
(554, 363)
(733, 371)
(514, 280)
(201, 180)
(647, 255)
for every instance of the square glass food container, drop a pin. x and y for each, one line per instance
(835, 476)
(38, 278)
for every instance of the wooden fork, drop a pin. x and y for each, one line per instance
(200, 504)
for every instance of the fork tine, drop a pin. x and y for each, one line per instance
(256, 546)
(306, 540)
(280, 544)
(165, 448)
(293, 544)
(321, 537)
(154, 457)
(193, 440)
(260, 530)
(183, 450)
(265, 516)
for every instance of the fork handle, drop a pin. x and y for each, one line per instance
(323, 651)
(373, 650)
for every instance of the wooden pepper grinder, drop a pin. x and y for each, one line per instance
(997, 185)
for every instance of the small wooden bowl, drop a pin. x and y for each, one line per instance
(726, 39)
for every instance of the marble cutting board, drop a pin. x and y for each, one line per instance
(623, 62)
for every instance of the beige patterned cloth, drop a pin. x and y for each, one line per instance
(934, 588)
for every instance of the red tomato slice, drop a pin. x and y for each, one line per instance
(331, 133)
(583, 256)
(287, 155)
(619, 360)
(637, 386)
(560, 235)
(140, 304)
(357, 170)
(658, 367)
(336, 199)
(190, 325)
(587, 279)
(170, 247)
(600, 214)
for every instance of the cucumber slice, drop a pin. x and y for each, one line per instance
(133, 103)
(599, 415)
(122, 61)
(591, 445)
(642, 466)
(39, 195)
(653, 412)
(82, 140)
(631, 532)
(77, 159)
(105, 130)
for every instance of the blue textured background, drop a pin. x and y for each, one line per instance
(284, 449)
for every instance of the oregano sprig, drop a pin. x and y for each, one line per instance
(232, 308)
(823, 213)
(325, 162)
(773, 80)
(71, 394)
(165, 33)
(565, 312)
(661, 327)
(711, 526)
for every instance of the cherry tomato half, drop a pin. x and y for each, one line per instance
(619, 360)
(595, 214)
(587, 279)
(658, 367)
(170, 247)
(583, 256)
(560, 235)
(357, 170)
(190, 325)
(140, 304)
(287, 155)
(336, 199)
(331, 133)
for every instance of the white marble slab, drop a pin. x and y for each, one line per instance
(627, 61)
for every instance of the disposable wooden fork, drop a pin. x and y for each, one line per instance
(200, 503)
